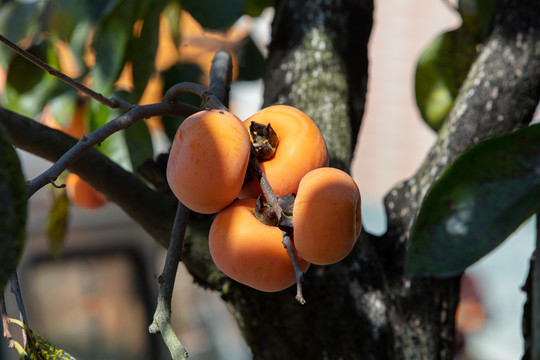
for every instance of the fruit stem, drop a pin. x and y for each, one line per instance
(267, 190)
(299, 275)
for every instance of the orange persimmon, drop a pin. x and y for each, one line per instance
(83, 194)
(208, 160)
(250, 252)
(327, 216)
(300, 149)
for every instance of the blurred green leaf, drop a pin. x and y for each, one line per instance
(172, 14)
(476, 203)
(114, 146)
(251, 62)
(444, 64)
(174, 75)
(18, 20)
(22, 74)
(255, 7)
(142, 50)
(13, 208)
(110, 43)
(64, 15)
(139, 143)
(440, 71)
(214, 14)
(477, 14)
(57, 222)
(101, 9)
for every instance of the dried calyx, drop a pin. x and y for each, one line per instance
(266, 214)
(265, 140)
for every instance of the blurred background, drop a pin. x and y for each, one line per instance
(97, 301)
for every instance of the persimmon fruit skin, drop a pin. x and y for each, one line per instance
(250, 252)
(301, 148)
(327, 216)
(208, 160)
(83, 194)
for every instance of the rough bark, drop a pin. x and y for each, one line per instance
(364, 307)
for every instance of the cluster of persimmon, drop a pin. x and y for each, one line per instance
(210, 170)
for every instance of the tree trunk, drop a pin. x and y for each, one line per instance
(364, 307)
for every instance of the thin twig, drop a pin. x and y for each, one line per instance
(162, 316)
(15, 287)
(99, 135)
(299, 274)
(5, 323)
(112, 102)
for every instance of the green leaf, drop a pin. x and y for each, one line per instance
(65, 15)
(18, 20)
(139, 143)
(174, 75)
(214, 14)
(13, 208)
(57, 222)
(440, 71)
(172, 14)
(477, 202)
(110, 43)
(38, 348)
(22, 74)
(255, 7)
(101, 9)
(477, 14)
(142, 50)
(251, 62)
(114, 147)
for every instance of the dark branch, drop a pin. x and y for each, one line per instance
(151, 210)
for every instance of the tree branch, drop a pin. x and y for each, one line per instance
(99, 135)
(500, 94)
(151, 210)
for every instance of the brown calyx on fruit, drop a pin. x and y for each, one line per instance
(264, 213)
(265, 140)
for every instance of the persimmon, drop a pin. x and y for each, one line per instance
(249, 251)
(300, 149)
(327, 216)
(208, 160)
(83, 194)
